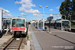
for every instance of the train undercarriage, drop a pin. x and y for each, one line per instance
(19, 34)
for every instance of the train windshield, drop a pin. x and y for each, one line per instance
(18, 23)
(8, 22)
(65, 23)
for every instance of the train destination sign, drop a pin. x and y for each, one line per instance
(50, 18)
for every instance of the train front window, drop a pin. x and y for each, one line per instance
(65, 23)
(20, 23)
(8, 22)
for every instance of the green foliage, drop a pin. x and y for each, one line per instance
(73, 26)
(73, 7)
(66, 9)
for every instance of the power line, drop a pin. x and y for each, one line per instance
(48, 13)
(17, 4)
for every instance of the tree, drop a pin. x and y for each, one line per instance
(73, 7)
(66, 9)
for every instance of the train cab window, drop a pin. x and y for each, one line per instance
(65, 23)
(20, 23)
(8, 22)
(13, 23)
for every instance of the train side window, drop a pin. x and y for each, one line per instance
(13, 23)
(8, 22)
(62, 23)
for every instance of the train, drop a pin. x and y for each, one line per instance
(18, 26)
(38, 23)
(59, 24)
(6, 23)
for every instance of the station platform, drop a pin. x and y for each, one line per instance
(56, 40)
(4, 39)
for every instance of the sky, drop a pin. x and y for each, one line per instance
(30, 8)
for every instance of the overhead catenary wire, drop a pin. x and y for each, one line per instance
(18, 5)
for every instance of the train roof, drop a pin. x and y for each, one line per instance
(59, 21)
(7, 18)
(18, 18)
(42, 19)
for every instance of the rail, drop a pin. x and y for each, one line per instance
(8, 44)
(12, 43)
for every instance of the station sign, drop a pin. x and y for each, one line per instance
(50, 18)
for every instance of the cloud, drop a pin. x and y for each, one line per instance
(38, 15)
(26, 6)
(29, 10)
(51, 15)
(25, 1)
(6, 13)
(58, 7)
(32, 11)
(57, 15)
(51, 10)
(17, 2)
(59, 18)
(22, 14)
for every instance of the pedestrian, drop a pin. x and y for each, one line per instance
(45, 27)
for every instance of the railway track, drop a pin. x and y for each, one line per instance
(14, 44)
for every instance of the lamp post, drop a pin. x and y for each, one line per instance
(43, 14)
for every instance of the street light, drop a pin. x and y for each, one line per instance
(43, 14)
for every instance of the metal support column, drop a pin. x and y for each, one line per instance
(1, 15)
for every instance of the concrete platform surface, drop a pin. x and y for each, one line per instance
(56, 40)
(4, 39)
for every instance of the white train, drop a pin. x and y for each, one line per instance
(40, 24)
(6, 23)
(18, 26)
(60, 24)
